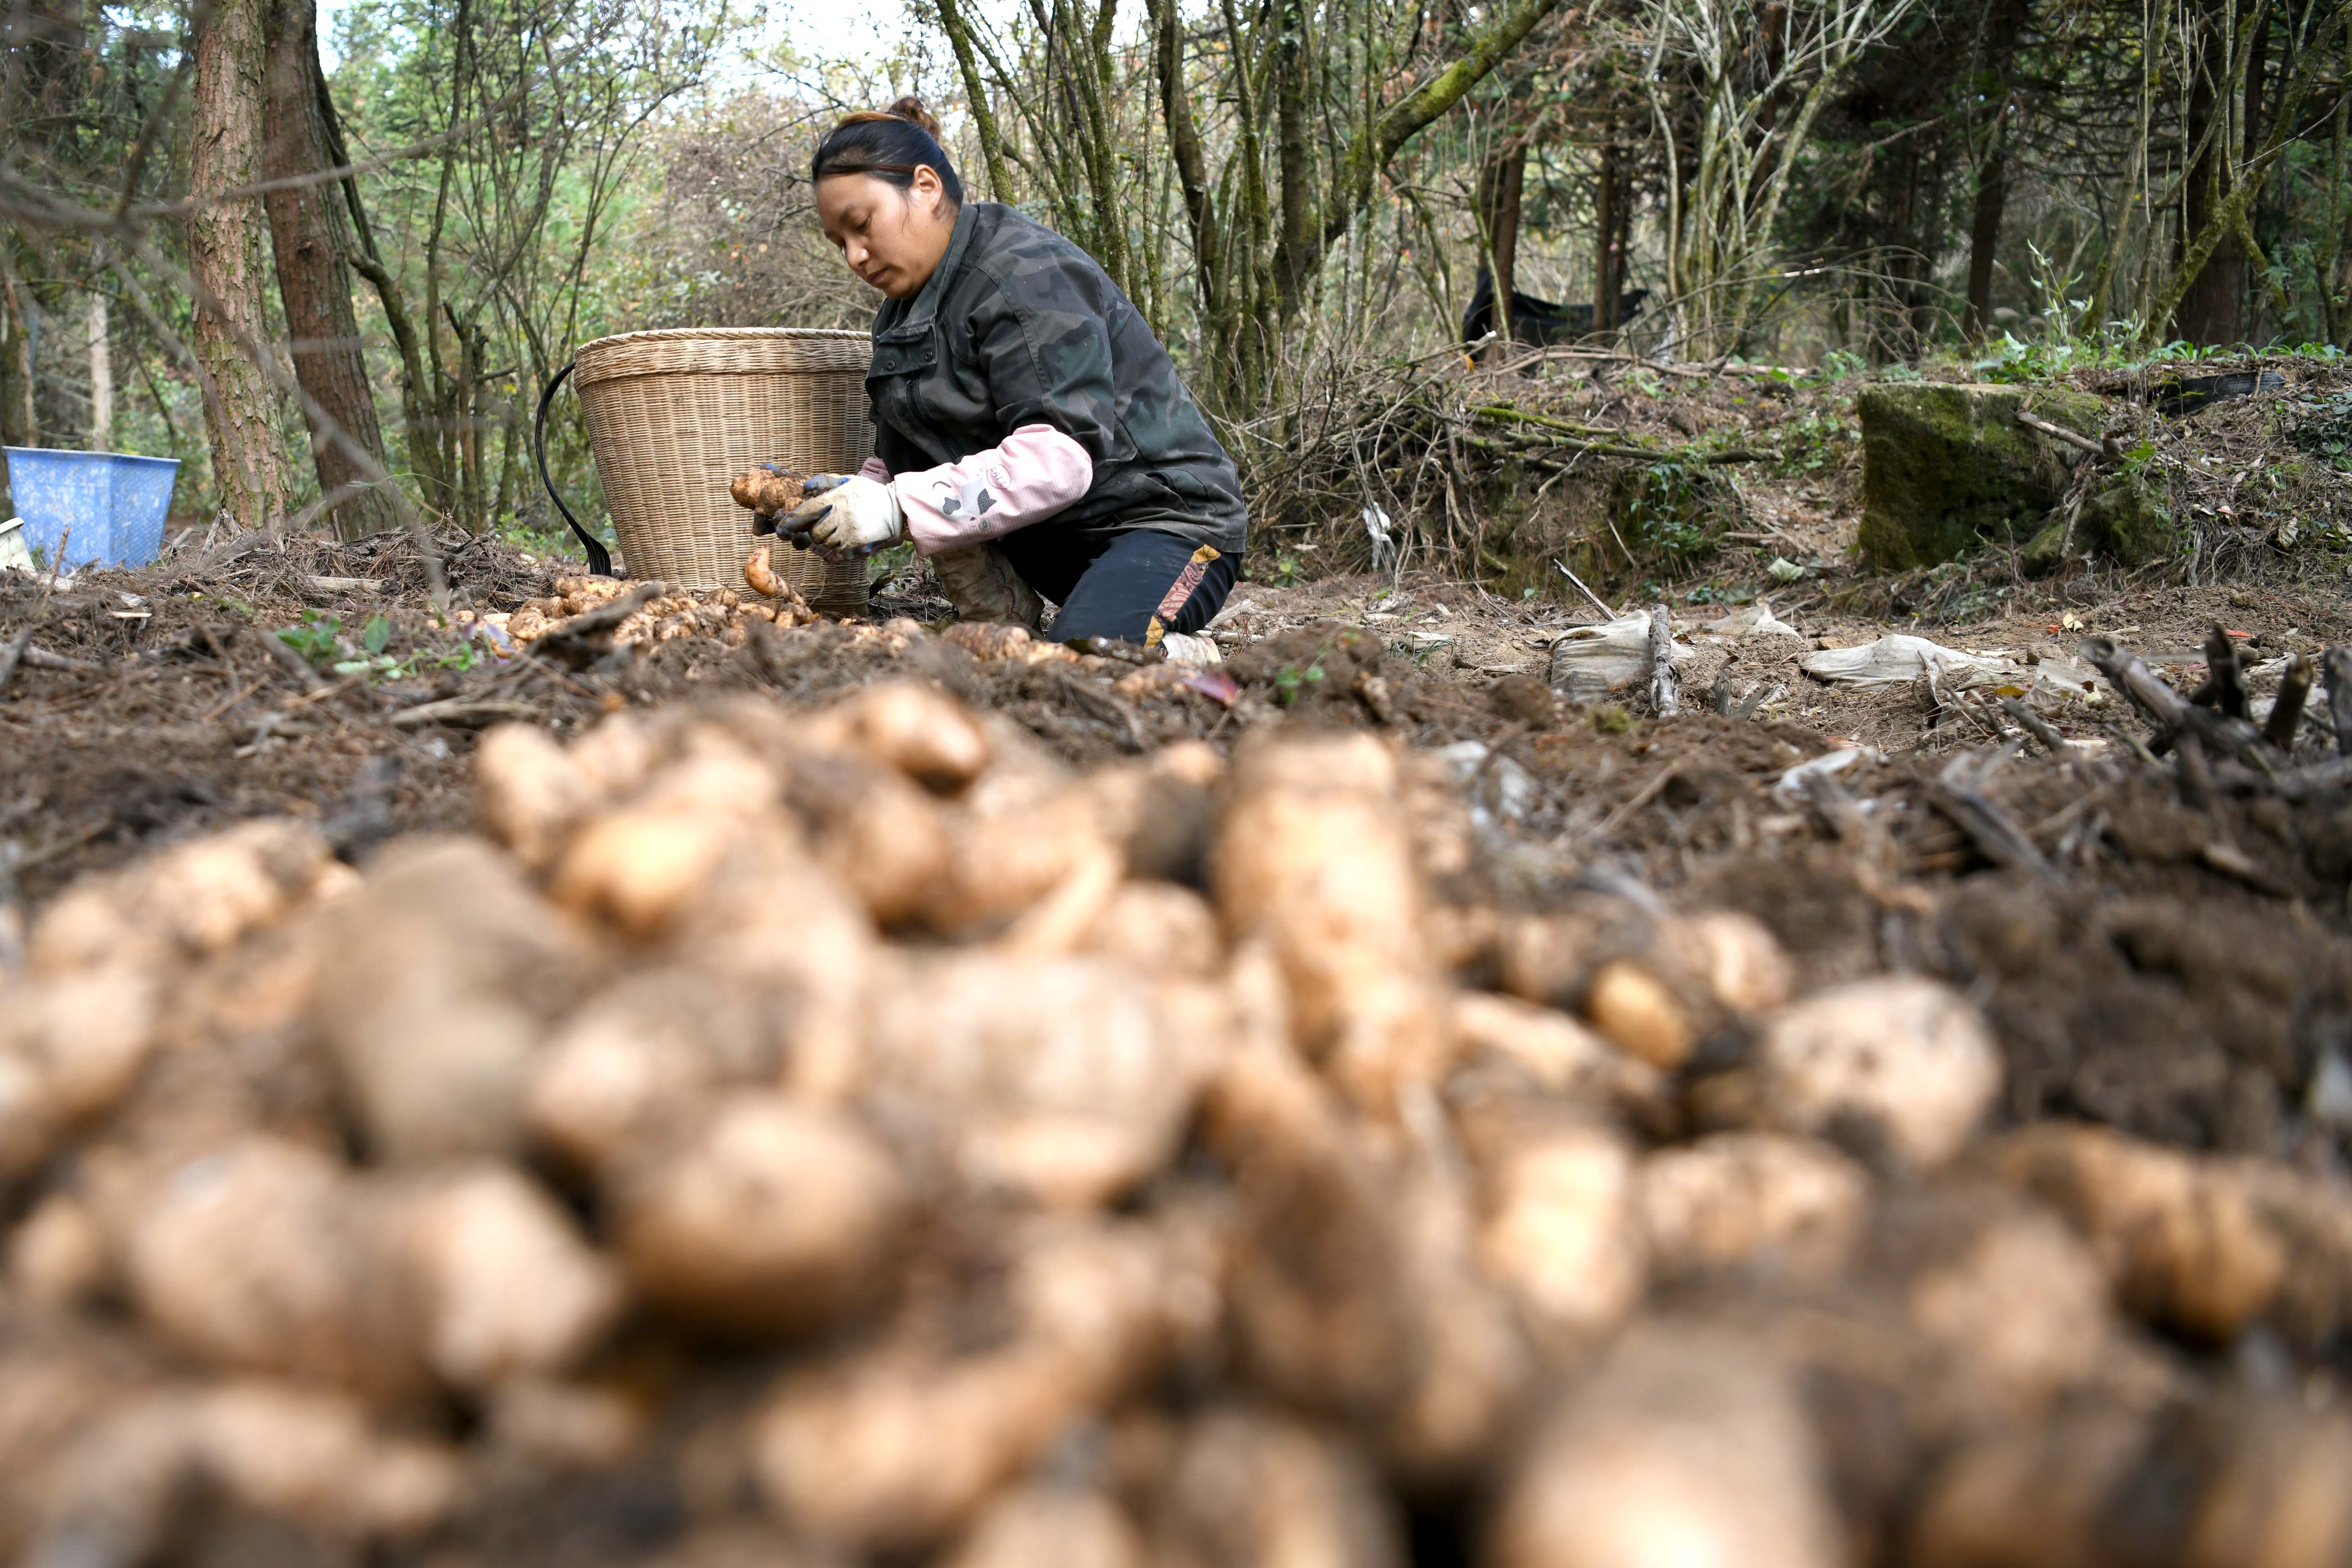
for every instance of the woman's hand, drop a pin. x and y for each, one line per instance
(847, 515)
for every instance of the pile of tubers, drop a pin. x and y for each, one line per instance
(724, 614)
(879, 1141)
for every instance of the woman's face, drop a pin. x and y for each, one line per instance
(891, 236)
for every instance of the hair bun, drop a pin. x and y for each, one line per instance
(911, 107)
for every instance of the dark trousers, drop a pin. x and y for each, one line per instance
(1135, 586)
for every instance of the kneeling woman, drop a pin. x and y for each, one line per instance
(1031, 436)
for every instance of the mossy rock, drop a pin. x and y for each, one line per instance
(1946, 466)
(2130, 516)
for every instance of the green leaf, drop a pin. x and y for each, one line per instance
(377, 633)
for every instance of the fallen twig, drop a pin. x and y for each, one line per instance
(463, 713)
(296, 665)
(2336, 666)
(2040, 729)
(1588, 594)
(1955, 794)
(1665, 687)
(2223, 688)
(2173, 712)
(1641, 797)
(13, 653)
(2286, 713)
(2059, 433)
(42, 659)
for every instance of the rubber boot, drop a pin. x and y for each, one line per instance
(983, 587)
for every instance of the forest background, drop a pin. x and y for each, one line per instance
(336, 293)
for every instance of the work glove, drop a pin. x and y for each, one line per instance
(845, 514)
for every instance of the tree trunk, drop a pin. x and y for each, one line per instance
(225, 261)
(2002, 29)
(2212, 310)
(1296, 240)
(1508, 181)
(20, 425)
(1607, 265)
(1984, 234)
(101, 379)
(308, 232)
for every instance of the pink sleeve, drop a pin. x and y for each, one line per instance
(874, 468)
(1034, 474)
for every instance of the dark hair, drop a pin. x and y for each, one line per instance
(889, 145)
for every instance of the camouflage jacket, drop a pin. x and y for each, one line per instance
(1020, 326)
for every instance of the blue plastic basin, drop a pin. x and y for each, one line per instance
(113, 504)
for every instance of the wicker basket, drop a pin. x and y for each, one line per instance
(674, 416)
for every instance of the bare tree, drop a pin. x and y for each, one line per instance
(1759, 75)
(310, 235)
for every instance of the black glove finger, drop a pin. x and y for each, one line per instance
(762, 523)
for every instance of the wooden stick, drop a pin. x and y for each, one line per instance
(2059, 433)
(2223, 688)
(465, 713)
(1988, 828)
(42, 659)
(2173, 713)
(14, 652)
(2336, 666)
(1665, 687)
(2037, 726)
(2286, 714)
(1586, 591)
(2196, 773)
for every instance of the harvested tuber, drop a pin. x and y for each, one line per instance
(298, 1454)
(775, 1219)
(898, 1444)
(1157, 926)
(1686, 1446)
(1904, 1061)
(530, 792)
(1561, 1232)
(1255, 1488)
(1059, 1080)
(195, 899)
(759, 574)
(437, 982)
(768, 489)
(1640, 1015)
(261, 1258)
(1314, 856)
(1033, 1525)
(2025, 1497)
(2024, 1306)
(1739, 1198)
(1476, 1365)
(2181, 1238)
(57, 1254)
(637, 1064)
(1322, 1314)
(925, 735)
(505, 1286)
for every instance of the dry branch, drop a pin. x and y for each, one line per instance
(1665, 687)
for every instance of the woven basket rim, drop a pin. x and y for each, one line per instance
(724, 351)
(671, 334)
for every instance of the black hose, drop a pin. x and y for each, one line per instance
(600, 561)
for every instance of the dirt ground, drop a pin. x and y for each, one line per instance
(2169, 959)
(2176, 971)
